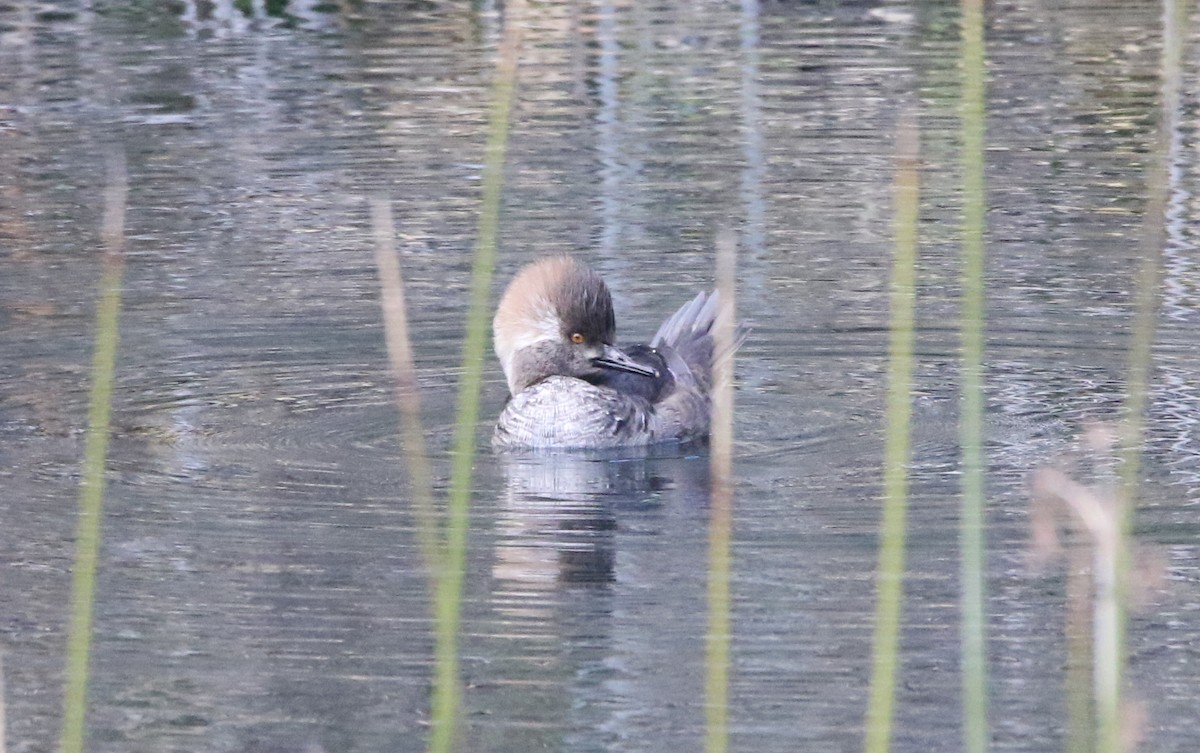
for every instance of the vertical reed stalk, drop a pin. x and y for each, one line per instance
(447, 695)
(1081, 720)
(720, 530)
(3, 709)
(404, 376)
(95, 453)
(1109, 552)
(1164, 149)
(1099, 516)
(1110, 658)
(890, 583)
(972, 550)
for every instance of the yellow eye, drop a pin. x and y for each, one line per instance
(577, 338)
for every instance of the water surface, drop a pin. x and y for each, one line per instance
(261, 586)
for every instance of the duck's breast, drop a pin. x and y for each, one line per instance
(566, 412)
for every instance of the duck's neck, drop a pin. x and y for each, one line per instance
(533, 363)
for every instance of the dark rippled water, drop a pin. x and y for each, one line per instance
(261, 586)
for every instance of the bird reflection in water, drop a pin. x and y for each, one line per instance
(560, 516)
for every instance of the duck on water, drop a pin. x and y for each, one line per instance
(572, 387)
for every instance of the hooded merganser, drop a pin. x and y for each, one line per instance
(572, 387)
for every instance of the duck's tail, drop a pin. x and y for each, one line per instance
(686, 340)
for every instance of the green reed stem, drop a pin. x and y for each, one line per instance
(1080, 717)
(1153, 234)
(95, 453)
(3, 709)
(971, 532)
(720, 526)
(1110, 656)
(890, 583)
(447, 695)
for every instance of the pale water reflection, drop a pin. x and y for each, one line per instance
(597, 588)
(261, 584)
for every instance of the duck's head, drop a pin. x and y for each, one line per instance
(556, 318)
